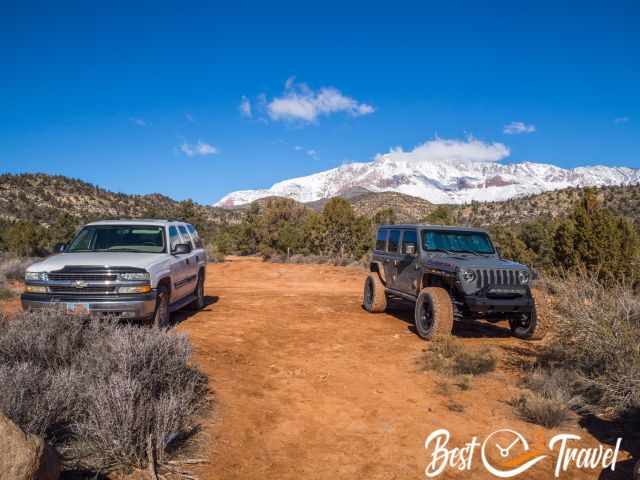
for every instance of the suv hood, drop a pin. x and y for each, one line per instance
(97, 259)
(451, 262)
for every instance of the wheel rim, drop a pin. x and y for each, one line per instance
(425, 318)
(523, 322)
(368, 293)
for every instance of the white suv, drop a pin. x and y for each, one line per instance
(132, 268)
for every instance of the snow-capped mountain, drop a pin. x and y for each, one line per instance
(441, 171)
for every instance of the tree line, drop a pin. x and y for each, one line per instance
(590, 237)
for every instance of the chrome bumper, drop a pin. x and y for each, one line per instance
(140, 306)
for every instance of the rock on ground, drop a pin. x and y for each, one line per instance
(25, 456)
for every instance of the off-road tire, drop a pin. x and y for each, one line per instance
(161, 314)
(198, 303)
(433, 314)
(536, 324)
(374, 297)
(636, 471)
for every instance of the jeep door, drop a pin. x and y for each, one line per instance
(391, 258)
(408, 262)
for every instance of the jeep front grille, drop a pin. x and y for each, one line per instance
(496, 277)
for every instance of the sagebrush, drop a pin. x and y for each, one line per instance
(99, 390)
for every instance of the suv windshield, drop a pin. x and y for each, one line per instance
(119, 238)
(458, 242)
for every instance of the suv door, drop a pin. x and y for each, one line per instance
(391, 258)
(179, 270)
(191, 261)
(408, 262)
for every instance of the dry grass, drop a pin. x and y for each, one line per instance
(98, 390)
(13, 268)
(535, 408)
(448, 355)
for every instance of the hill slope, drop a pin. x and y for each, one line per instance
(42, 198)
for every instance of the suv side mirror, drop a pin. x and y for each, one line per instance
(59, 247)
(181, 249)
(410, 249)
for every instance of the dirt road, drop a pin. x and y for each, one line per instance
(310, 386)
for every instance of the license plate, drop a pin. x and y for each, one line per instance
(77, 308)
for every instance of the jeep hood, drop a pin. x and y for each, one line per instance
(97, 259)
(451, 262)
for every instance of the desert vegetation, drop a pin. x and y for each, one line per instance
(101, 392)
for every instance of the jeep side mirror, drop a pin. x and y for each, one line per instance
(498, 252)
(181, 249)
(410, 249)
(59, 247)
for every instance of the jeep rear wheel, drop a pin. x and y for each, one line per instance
(433, 313)
(374, 297)
(533, 325)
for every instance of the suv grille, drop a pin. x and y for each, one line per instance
(82, 291)
(496, 277)
(87, 277)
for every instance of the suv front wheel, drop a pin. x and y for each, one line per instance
(433, 313)
(198, 303)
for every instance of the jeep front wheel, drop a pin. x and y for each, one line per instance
(374, 298)
(533, 325)
(433, 313)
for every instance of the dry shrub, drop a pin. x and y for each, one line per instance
(598, 333)
(447, 355)
(535, 408)
(97, 390)
(13, 268)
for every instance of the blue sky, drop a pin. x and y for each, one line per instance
(146, 97)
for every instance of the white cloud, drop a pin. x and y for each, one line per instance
(620, 120)
(301, 103)
(199, 149)
(140, 122)
(515, 128)
(450, 151)
(245, 107)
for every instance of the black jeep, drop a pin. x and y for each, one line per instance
(451, 273)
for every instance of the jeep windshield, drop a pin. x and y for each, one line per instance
(118, 238)
(476, 243)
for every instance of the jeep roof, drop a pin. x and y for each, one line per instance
(434, 227)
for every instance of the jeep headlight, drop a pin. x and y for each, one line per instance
(36, 276)
(523, 277)
(468, 276)
(135, 276)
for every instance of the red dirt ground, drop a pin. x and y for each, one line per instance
(310, 386)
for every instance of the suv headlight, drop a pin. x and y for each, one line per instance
(468, 276)
(135, 276)
(36, 276)
(523, 277)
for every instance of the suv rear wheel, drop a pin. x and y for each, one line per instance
(534, 325)
(198, 303)
(374, 298)
(433, 313)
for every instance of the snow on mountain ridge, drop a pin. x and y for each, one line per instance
(441, 171)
